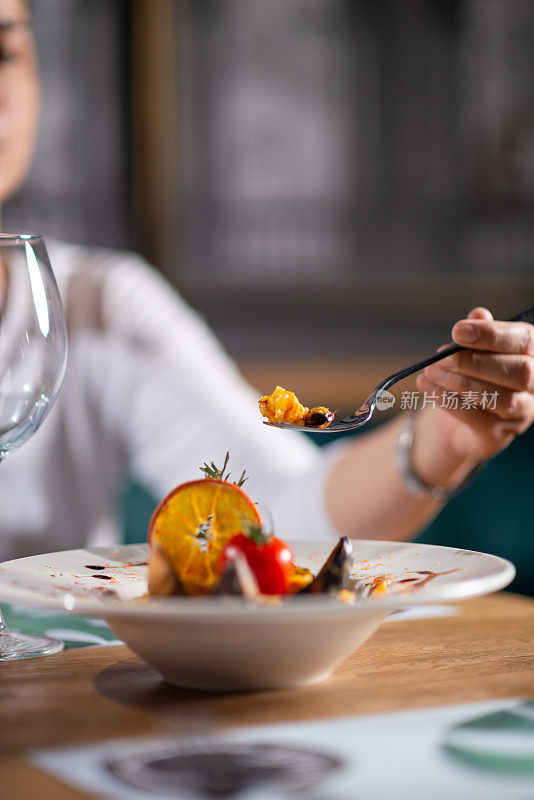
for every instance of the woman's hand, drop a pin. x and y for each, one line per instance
(365, 492)
(498, 371)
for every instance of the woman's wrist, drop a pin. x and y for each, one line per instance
(428, 466)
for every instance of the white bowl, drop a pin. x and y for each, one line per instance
(245, 650)
(229, 644)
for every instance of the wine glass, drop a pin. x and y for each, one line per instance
(33, 354)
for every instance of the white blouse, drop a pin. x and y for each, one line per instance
(148, 392)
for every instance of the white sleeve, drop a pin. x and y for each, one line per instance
(176, 400)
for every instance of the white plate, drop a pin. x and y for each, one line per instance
(232, 644)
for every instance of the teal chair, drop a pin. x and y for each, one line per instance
(495, 514)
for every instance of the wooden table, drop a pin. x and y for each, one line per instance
(84, 695)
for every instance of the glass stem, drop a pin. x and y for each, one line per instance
(4, 630)
(3, 627)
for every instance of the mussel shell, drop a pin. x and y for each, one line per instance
(237, 578)
(334, 575)
(318, 418)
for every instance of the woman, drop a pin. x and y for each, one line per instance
(149, 391)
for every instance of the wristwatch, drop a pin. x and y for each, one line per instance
(414, 483)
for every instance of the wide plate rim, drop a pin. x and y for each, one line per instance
(453, 590)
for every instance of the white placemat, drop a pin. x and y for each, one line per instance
(476, 751)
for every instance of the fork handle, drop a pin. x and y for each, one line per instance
(523, 316)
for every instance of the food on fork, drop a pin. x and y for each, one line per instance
(284, 406)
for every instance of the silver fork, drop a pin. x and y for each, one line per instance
(364, 413)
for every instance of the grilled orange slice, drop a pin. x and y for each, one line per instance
(193, 523)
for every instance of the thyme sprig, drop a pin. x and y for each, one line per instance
(213, 471)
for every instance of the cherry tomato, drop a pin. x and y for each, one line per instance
(271, 562)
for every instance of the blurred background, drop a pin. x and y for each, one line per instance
(331, 183)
